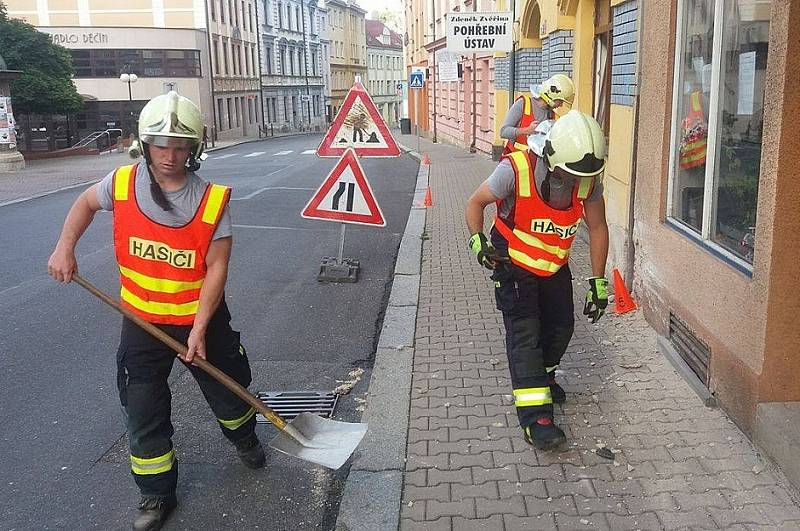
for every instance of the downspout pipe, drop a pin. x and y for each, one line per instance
(512, 58)
(263, 123)
(630, 251)
(215, 130)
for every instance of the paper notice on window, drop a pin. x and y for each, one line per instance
(747, 80)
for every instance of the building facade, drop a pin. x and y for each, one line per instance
(460, 111)
(348, 49)
(325, 58)
(292, 71)
(234, 52)
(385, 70)
(167, 45)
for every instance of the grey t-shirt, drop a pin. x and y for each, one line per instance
(185, 201)
(502, 184)
(509, 128)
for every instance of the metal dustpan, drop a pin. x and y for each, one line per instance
(322, 441)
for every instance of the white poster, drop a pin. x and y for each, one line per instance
(747, 80)
(447, 65)
(479, 32)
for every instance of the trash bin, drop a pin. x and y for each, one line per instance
(405, 126)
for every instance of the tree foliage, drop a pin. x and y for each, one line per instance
(45, 86)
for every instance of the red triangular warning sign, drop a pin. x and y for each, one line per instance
(345, 196)
(360, 126)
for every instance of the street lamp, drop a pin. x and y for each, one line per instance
(129, 78)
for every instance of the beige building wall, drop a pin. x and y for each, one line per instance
(348, 48)
(135, 13)
(746, 320)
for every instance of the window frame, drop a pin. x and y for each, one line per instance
(704, 237)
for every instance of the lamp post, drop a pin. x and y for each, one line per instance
(129, 78)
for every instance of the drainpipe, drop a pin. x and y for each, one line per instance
(630, 251)
(211, 78)
(473, 148)
(263, 123)
(433, 72)
(512, 62)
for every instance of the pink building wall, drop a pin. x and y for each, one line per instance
(454, 106)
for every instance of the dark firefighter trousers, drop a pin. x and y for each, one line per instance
(143, 366)
(539, 321)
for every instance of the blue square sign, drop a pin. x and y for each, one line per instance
(416, 79)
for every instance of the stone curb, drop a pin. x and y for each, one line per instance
(373, 490)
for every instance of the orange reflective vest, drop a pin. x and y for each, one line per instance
(539, 236)
(521, 142)
(162, 268)
(694, 135)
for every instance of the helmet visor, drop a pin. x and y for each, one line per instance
(588, 166)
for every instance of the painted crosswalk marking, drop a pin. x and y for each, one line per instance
(255, 154)
(309, 152)
(224, 156)
(283, 152)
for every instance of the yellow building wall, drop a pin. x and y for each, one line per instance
(617, 183)
(583, 56)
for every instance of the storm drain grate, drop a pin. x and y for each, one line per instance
(289, 404)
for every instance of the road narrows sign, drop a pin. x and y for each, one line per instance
(358, 125)
(345, 196)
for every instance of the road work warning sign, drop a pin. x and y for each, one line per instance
(479, 32)
(345, 196)
(360, 126)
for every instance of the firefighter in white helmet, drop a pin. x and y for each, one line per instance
(172, 236)
(541, 201)
(531, 109)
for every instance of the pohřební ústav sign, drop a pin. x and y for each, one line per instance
(479, 32)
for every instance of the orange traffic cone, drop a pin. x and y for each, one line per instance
(624, 303)
(426, 160)
(428, 198)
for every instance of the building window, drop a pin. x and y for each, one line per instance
(297, 21)
(213, 10)
(144, 63)
(717, 124)
(285, 109)
(280, 15)
(220, 113)
(230, 113)
(250, 16)
(225, 57)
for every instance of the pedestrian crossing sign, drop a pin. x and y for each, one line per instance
(360, 126)
(417, 79)
(345, 196)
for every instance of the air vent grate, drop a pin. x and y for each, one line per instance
(691, 348)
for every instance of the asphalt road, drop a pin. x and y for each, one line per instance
(62, 439)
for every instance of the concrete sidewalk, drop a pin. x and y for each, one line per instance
(677, 464)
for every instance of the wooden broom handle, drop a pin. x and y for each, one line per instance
(180, 349)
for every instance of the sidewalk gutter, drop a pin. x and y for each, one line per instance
(372, 492)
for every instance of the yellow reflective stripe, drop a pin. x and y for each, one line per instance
(551, 369)
(540, 264)
(533, 241)
(526, 109)
(523, 171)
(153, 465)
(158, 308)
(161, 285)
(237, 423)
(521, 147)
(532, 396)
(214, 203)
(121, 181)
(694, 145)
(692, 158)
(584, 186)
(695, 101)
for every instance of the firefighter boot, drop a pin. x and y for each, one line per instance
(251, 452)
(153, 512)
(544, 435)
(556, 391)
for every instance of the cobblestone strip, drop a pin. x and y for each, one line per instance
(677, 465)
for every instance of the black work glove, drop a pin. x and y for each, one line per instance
(596, 299)
(486, 253)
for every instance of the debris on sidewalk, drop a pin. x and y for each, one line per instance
(347, 385)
